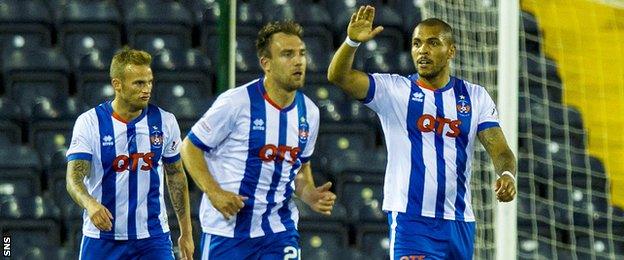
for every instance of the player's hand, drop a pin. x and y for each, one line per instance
(100, 216)
(320, 199)
(361, 25)
(505, 188)
(185, 243)
(228, 203)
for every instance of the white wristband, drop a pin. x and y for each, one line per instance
(352, 43)
(510, 175)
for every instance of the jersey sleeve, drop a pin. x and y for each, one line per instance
(216, 124)
(488, 115)
(171, 151)
(81, 146)
(379, 91)
(314, 128)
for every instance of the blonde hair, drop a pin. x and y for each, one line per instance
(125, 57)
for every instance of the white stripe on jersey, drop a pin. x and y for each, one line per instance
(159, 144)
(424, 129)
(242, 116)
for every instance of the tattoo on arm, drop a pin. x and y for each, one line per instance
(178, 188)
(77, 170)
(494, 142)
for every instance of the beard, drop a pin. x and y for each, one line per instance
(431, 74)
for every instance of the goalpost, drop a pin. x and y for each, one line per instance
(487, 40)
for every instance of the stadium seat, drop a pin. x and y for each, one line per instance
(374, 241)
(540, 67)
(321, 241)
(20, 165)
(532, 39)
(32, 74)
(318, 57)
(556, 155)
(364, 195)
(335, 138)
(51, 127)
(340, 11)
(93, 93)
(540, 88)
(411, 15)
(29, 19)
(598, 249)
(10, 117)
(380, 62)
(156, 25)
(246, 57)
(87, 26)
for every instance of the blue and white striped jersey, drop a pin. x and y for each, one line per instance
(126, 174)
(255, 148)
(430, 138)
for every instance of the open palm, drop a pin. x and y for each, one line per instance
(361, 25)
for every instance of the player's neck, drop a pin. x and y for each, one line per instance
(279, 95)
(124, 111)
(438, 81)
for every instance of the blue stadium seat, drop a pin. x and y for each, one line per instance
(364, 195)
(374, 241)
(32, 74)
(335, 138)
(29, 19)
(598, 249)
(246, 55)
(154, 25)
(556, 155)
(540, 88)
(318, 57)
(322, 240)
(87, 26)
(380, 62)
(540, 67)
(93, 93)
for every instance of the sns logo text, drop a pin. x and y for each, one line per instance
(428, 123)
(124, 162)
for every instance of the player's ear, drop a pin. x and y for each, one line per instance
(116, 83)
(264, 63)
(451, 52)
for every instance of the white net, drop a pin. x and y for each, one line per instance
(564, 209)
(475, 23)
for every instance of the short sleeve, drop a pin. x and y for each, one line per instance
(81, 146)
(216, 124)
(488, 114)
(314, 128)
(171, 151)
(379, 91)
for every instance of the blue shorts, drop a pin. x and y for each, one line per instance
(159, 247)
(278, 246)
(418, 237)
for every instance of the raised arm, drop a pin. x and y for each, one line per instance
(179, 195)
(504, 161)
(77, 170)
(226, 202)
(340, 72)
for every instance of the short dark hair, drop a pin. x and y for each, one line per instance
(446, 28)
(264, 36)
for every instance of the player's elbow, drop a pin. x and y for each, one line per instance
(334, 77)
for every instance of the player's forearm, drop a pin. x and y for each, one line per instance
(179, 194)
(195, 163)
(341, 65)
(504, 161)
(304, 182)
(77, 170)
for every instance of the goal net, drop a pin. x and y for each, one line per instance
(475, 24)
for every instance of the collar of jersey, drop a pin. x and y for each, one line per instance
(268, 99)
(109, 107)
(449, 84)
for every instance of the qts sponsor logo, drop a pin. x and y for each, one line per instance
(133, 162)
(428, 123)
(270, 152)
